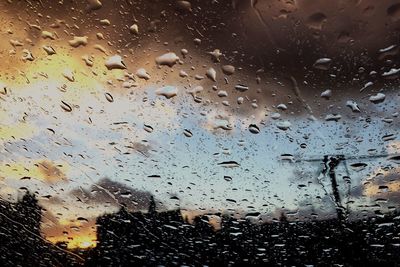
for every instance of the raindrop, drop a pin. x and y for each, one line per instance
(378, 98)
(167, 91)
(322, 63)
(391, 74)
(222, 124)
(115, 62)
(326, 94)
(142, 74)
(69, 75)
(27, 55)
(358, 166)
(228, 69)
(283, 125)
(184, 6)
(183, 74)
(94, 4)
(184, 52)
(254, 129)
(212, 74)
(353, 105)
(154, 176)
(333, 117)
(388, 137)
(222, 93)
(287, 157)
(49, 50)
(134, 29)
(229, 164)
(227, 178)
(66, 106)
(241, 87)
(215, 55)
(282, 107)
(368, 84)
(169, 59)
(148, 128)
(109, 97)
(78, 41)
(187, 133)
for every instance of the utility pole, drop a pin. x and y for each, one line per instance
(330, 163)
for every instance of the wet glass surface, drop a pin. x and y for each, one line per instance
(201, 132)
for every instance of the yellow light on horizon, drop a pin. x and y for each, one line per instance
(77, 241)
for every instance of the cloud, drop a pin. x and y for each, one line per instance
(43, 170)
(17, 131)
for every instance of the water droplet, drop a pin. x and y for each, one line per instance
(326, 94)
(283, 125)
(109, 97)
(358, 166)
(323, 63)
(222, 124)
(184, 52)
(94, 4)
(184, 6)
(229, 164)
(105, 22)
(378, 98)
(134, 29)
(353, 105)
(395, 158)
(27, 55)
(254, 129)
(187, 133)
(183, 74)
(228, 69)
(391, 74)
(368, 84)
(215, 55)
(169, 59)
(78, 41)
(333, 117)
(167, 91)
(227, 178)
(49, 50)
(282, 107)
(241, 87)
(275, 116)
(115, 62)
(142, 74)
(148, 128)
(388, 137)
(222, 93)
(69, 75)
(66, 106)
(212, 74)
(48, 35)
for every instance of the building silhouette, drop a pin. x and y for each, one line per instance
(165, 238)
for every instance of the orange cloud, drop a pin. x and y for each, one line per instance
(43, 170)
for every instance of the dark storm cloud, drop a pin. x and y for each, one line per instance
(277, 41)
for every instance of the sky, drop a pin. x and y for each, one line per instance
(94, 113)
